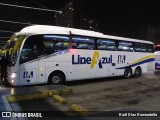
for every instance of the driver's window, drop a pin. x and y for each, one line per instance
(27, 55)
(32, 48)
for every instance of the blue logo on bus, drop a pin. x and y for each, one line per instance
(28, 74)
(121, 59)
(92, 61)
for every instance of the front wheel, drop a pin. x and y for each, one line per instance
(56, 79)
(127, 73)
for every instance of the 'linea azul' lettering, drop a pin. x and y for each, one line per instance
(88, 60)
(81, 60)
(105, 60)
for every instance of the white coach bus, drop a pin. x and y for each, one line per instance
(54, 55)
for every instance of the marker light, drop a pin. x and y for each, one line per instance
(41, 69)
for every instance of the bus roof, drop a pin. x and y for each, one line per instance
(47, 29)
(126, 39)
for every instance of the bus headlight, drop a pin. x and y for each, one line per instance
(13, 75)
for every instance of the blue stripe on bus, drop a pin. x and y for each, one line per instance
(139, 63)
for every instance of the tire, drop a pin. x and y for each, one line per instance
(127, 73)
(137, 72)
(56, 79)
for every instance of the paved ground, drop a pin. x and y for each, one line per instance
(99, 96)
(139, 93)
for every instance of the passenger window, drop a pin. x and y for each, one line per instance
(79, 42)
(125, 46)
(55, 43)
(150, 48)
(140, 47)
(106, 44)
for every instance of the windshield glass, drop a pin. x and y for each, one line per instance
(9, 43)
(6, 50)
(15, 50)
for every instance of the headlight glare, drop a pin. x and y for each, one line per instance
(13, 75)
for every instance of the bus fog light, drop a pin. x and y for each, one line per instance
(13, 75)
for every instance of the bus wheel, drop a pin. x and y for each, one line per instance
(137, 72)
(127, 73)
(56, 79)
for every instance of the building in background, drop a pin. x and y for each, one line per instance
(74, 14)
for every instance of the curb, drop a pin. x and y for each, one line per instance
(22, 97)
(37, 95)
(60, 99)
(79, 109)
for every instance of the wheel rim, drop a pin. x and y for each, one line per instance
(127, 73)
(56, 79)
(137, 72)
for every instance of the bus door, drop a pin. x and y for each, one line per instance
(29, 66)
(32, 71)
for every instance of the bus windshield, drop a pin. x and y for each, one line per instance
(15, 50)
(9, 43)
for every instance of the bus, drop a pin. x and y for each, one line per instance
(54, 55)
(157, 56)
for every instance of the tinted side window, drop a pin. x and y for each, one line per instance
(32, 48)
(82, 42)
(106, 44)
(55, 43)
(125, 46)
(140, 47)
(150, 48)
(39, 45)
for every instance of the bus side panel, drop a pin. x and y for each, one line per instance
(50, 70)
(104, 64)
(42, 72)
(141, 59)
(150, 66)
(28, 73)
(56, 63)
(123, 60)
(82, 64)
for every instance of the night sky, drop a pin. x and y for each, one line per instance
(116, 18)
